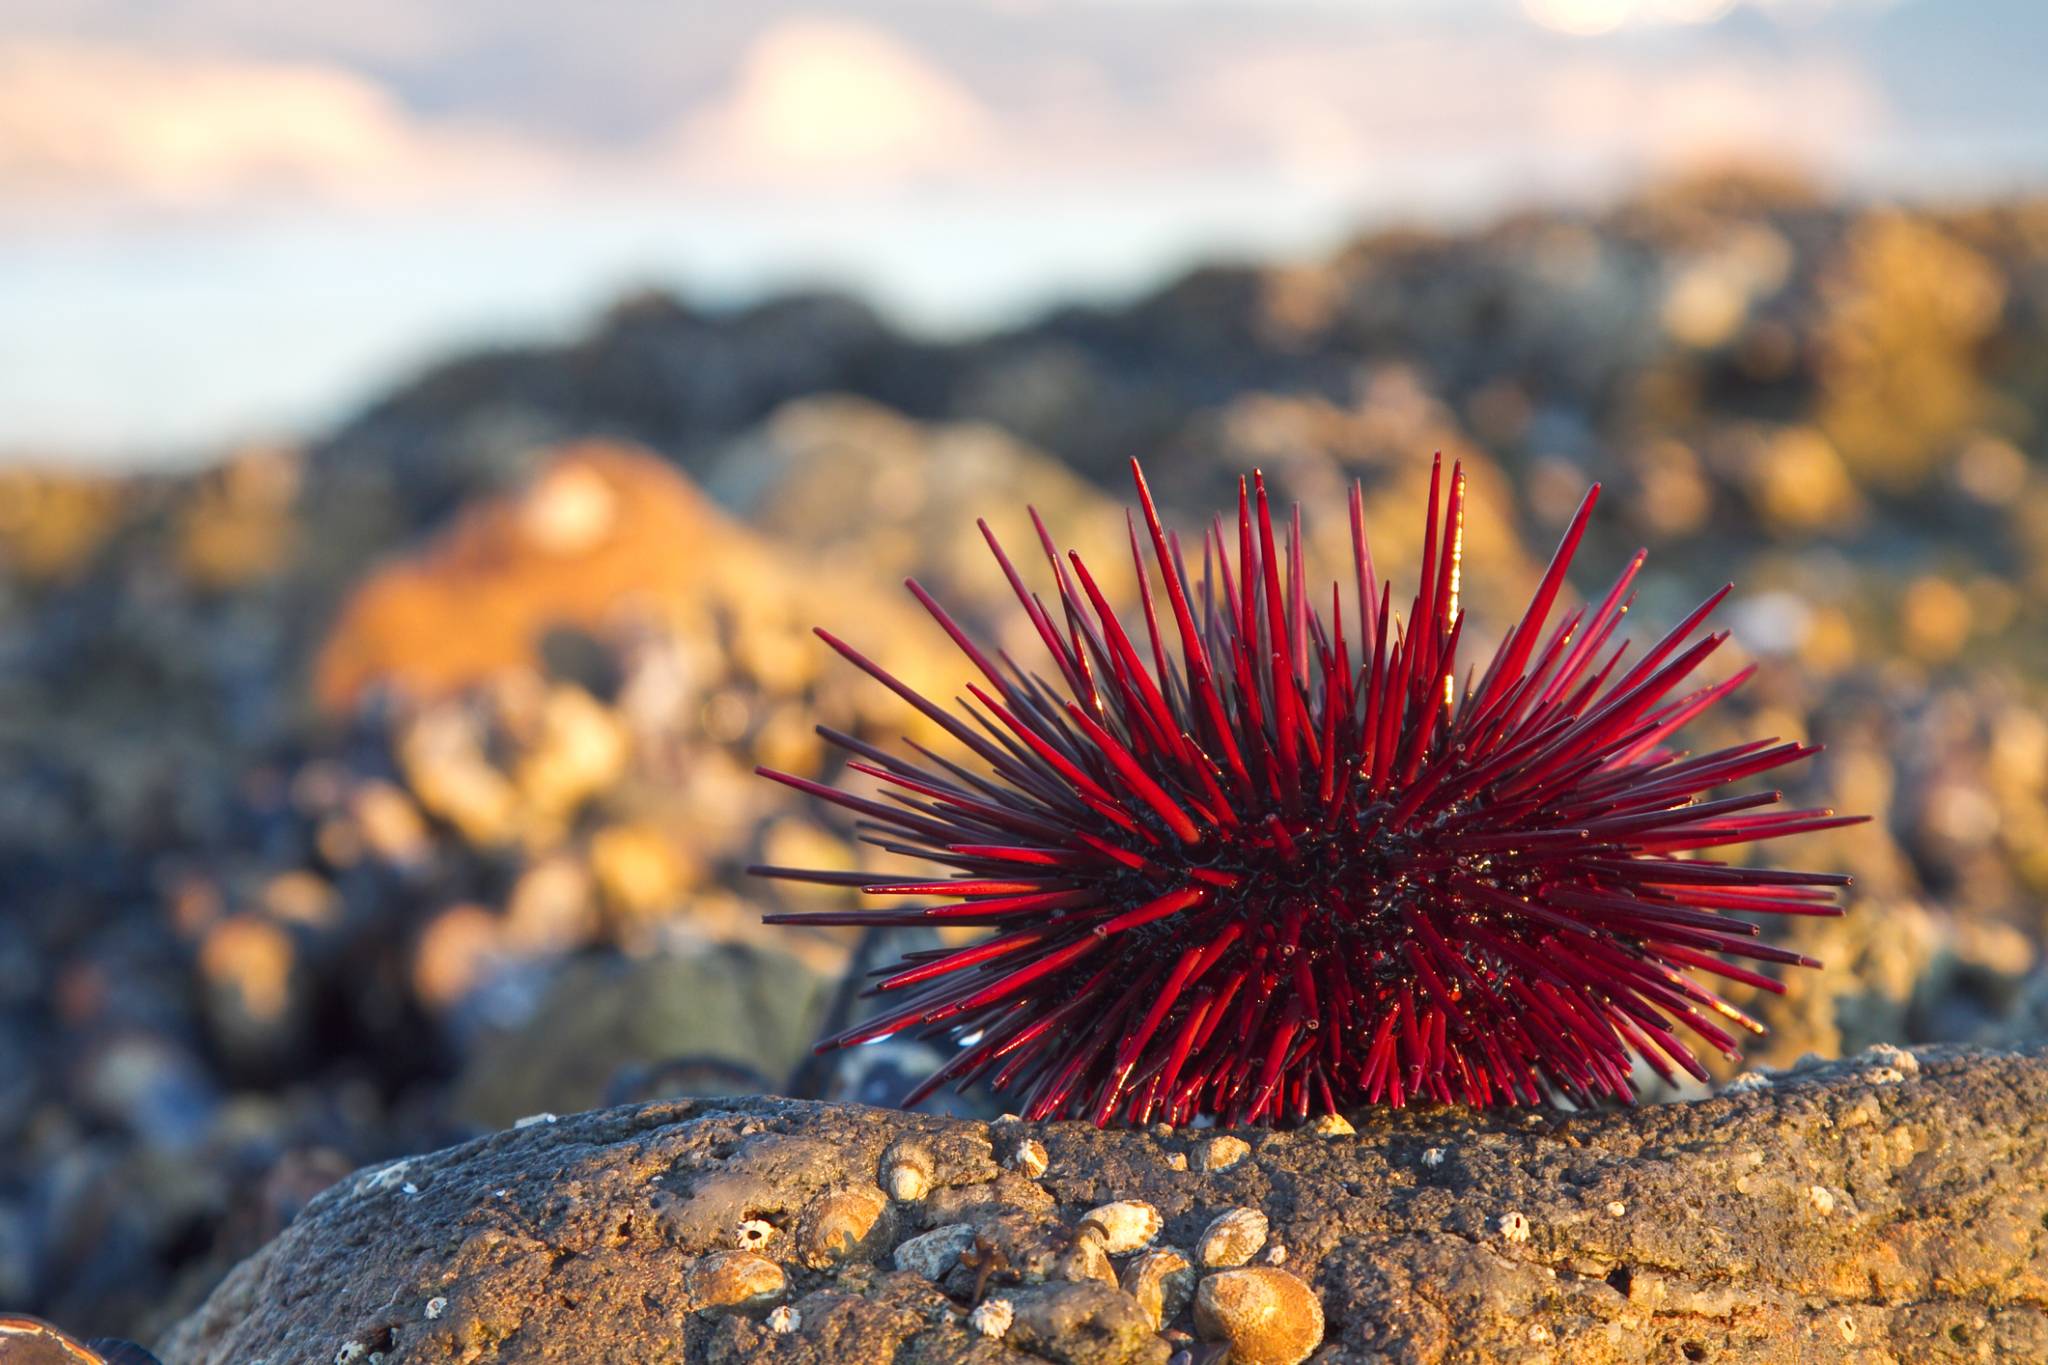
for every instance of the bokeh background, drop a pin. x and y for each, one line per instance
(429, 431)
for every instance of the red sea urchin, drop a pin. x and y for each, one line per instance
(1273, 875)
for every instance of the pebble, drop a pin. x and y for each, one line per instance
(1821, 1198)
(1232, 1238)
(1268, 1316)
(1127, 1224)
(1329, 1125)
(934, 1253)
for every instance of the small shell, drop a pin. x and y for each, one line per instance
(1127, 1225)
(907, 1170)
(992, 1318)
(784, 1320)
(1433, 1157)
(1822, 1199)
(1890, 1057)
(1617, 1209)
(1329, 1125)
(1162, 1281)
(1276, 1254)
(436, 1306)
(1221, 1153)
(1268, 1316)
(1085, 1260)
(735, 1279)
(1514, 1226)
(350, 1352)
(1233, 1238)
(532, 1119)
(753, 1234)
(840, 1225)
(936, 1252)
(1029, 1159)
(1746, 1082)
(1176, 1161)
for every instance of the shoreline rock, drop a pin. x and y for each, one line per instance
(1890, 1206)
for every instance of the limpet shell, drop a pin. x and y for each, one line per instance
(1127, 1224)
(1233, 1238)
(735, 1279)
(1162, 1280)
(1221, 1153)
(843, 1225)
(907, 1170)
(1268, 1316)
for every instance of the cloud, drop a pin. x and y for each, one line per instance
(816, 99)
(85, 122)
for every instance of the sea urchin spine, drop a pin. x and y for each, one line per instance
(1268, 872)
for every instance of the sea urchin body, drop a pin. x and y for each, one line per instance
(1259, 870)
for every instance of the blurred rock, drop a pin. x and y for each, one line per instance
(602, 1019)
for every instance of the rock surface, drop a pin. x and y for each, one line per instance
(1890, 1207)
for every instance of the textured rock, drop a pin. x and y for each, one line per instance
(1930, 1243)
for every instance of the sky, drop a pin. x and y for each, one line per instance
(225, 219)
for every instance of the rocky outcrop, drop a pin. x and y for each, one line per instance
(1891, 1207)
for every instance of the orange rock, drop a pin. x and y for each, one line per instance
(600, 526)
(604, 535)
